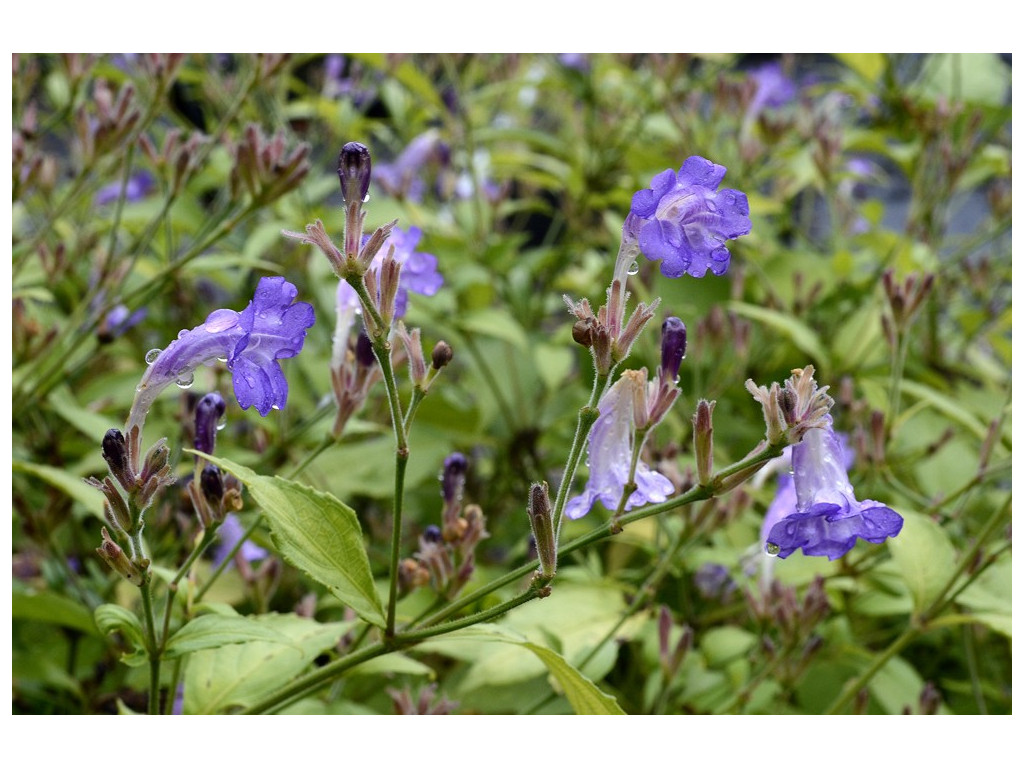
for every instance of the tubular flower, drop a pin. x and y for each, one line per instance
(610, 447)
(683, 220)
(251, 342)
(816, 509)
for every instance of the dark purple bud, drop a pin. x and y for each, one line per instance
(453, 477)
(212, 483)
(115, 452)
(432, 534)
(442, 355)
(673, 347)
(209, 411)
(354, 172)
(364, 350)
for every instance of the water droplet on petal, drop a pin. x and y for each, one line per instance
(222, 422)
(220, 320)
(366, 199)
(275, 407)
(772, 550)
(185, 380)
(183, 332)
(152, 355)
(633, 268)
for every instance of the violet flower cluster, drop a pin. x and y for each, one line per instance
(683, 220)
(816, 510)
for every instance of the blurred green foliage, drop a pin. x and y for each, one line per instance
(878, 162)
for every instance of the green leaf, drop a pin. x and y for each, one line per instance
(91, 424)
(116, 618)
(870, 66)
(924, 556)
(802, 336)
(242, 674)
(318, 534)
(53, 609)
(944, 405)
(583, 695)
(497, 324)
(70, 485)
(214, 631)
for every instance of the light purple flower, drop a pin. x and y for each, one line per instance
(610, 447)
(773, 89)
(251, 342)
(118, 321)
(683, 220)
(816, 510)
(229, 533)
(139, 185)
(403, 176)
(419, 271)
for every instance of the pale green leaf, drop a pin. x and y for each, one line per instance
(870, 66)
(214, 631)
(924, 556)
(241, 674)
(583, 695)
(110, 618)
(317, 533)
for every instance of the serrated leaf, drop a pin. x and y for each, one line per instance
(215, 631)
(70, 485)
(924, 556)
(317, 533)
(803, 338)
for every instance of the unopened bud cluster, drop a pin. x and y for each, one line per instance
(446, 558)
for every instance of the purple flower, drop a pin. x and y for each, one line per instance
(402, 177)
(419, 270)
(139, 185)
(816, 510)
(683, 220)
(773, 89)
(610, 447)
(714, 582)
(118, 321)
(251, 342)
(229, 533)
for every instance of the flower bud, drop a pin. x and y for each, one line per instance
(441, 356)
(212, 483)
(703, 432)
(354, 172)
(209, 411)
(453, 477)
(542, 524)
(432, 534)
(115, 453)
(118, 560)
(673, 347)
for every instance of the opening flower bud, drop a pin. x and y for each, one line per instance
(354, 172)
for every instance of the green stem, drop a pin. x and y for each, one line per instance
(331, 671)
(151, 649)
(585, 420)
